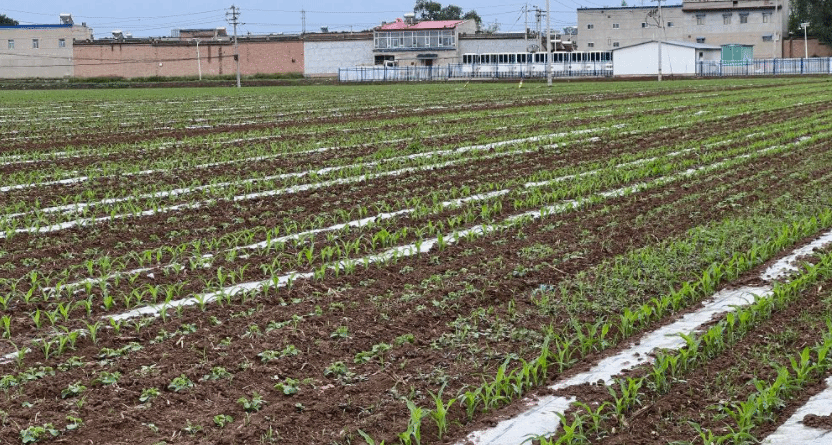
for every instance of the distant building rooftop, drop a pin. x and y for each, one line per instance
(68, 25)
(400, 24)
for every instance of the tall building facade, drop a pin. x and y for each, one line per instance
(43, 51)
(759, 23)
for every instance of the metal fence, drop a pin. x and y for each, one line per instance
(466, 71)
(764, 67)
(715, 68)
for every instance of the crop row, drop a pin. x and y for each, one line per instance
(371, 305)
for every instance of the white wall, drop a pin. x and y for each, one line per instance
(324, 58)
(642, 60)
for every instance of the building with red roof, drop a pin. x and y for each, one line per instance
(426, 43)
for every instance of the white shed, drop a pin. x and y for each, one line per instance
(678, 58)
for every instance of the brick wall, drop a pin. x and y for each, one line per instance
(794, 48)
(172, 59)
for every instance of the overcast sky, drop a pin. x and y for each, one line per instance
(158, 17)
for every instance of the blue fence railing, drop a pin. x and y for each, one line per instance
(764, 67)
(467, 71)
(715, 68)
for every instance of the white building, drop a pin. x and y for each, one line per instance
(43, 51)
(678, 58)
(427, 43)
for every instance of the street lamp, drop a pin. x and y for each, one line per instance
(805, 25)
(198, 61)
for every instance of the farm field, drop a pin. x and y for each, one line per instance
(416, 264)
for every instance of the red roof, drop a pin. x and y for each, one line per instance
(399, 24)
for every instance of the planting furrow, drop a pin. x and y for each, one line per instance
(793, 429)
(541, 419)
(365, 270)
(425, 245)
(79, 207)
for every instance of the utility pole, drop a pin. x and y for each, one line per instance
(659, 41)
(526, 22)
(805, 26)
(537, 17)
(232, 17)
(782, 7)
(303, 22)
(198, 61)
(774, 38)
(548, 46)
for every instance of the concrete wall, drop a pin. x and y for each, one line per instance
(469, 44)
(144, 58)
(411, 58)
(685, 25)
(794, 48)
(323, 58)
(48, 60)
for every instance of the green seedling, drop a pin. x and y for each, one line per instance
(221, 420)
(180, 384)
(252, 405)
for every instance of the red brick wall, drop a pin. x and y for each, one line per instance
(793, 48)
(144, 59)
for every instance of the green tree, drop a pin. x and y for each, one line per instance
(818, 13)
(472, 15)
(450, 12)
(429, 10)
(6, 21)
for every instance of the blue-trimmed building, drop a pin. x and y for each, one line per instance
(43, 51)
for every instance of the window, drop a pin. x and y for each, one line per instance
(615, 26)
(700, 19)
(590, 26)
(766, 17)
(726, 19)
(415, 39)
(768, 38)
(35, 43)
(11, 43)
(615, 44)
(590, 45)
(700, 40)
(743, 17)
(669, 24)
(644, 24)
(61, 43)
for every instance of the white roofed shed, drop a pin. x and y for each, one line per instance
(678, 58)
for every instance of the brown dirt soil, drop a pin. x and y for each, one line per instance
(448, 317)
